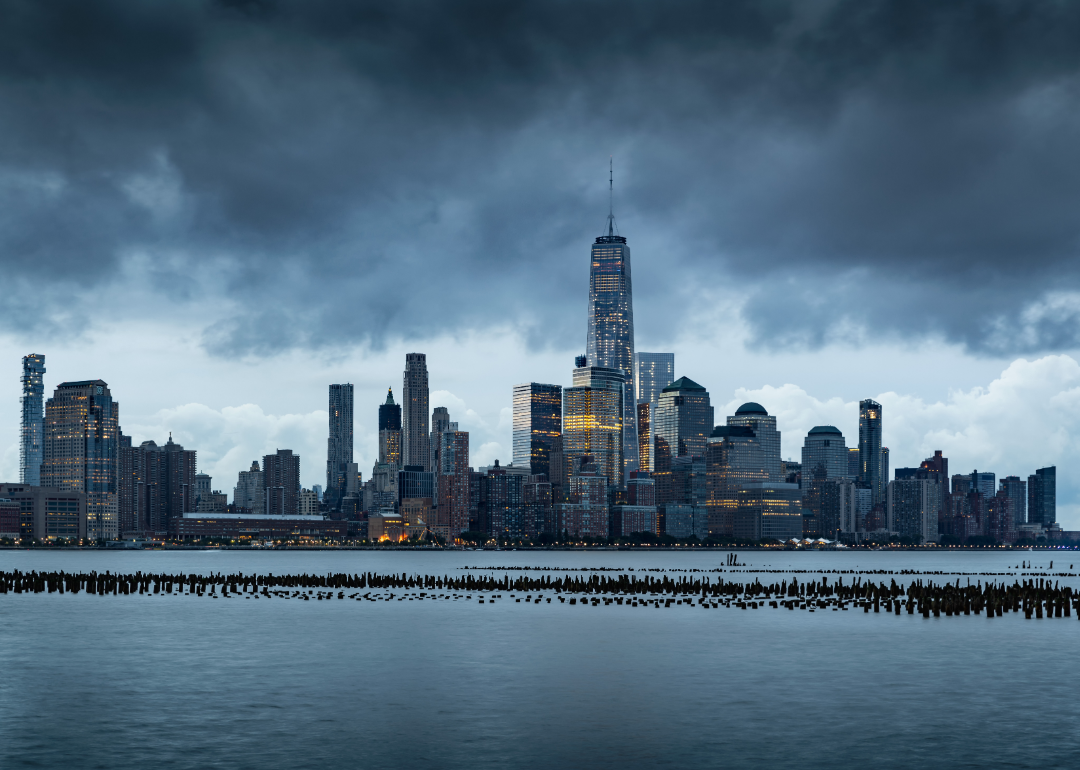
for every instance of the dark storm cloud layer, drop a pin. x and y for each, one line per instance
(340, 173)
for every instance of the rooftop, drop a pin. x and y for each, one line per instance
(751, 407)
(825, 429)
(683, 383)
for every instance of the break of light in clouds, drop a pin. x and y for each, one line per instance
(221, 207)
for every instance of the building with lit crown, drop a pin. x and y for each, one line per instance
(32, 403)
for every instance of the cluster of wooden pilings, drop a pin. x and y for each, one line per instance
(1035, 597)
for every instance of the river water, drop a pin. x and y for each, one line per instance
(190, 682)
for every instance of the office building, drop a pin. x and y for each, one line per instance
(592, 425)
(913, 505)
(683, 421)
(1015, 489)
(249, 495)
(585, 514)
(837, 514)
(768, 511)
(415, 439)
(537, 421)
(610, 340)
(390, 430)
(752, 415)
(644, 432)
(452, 516)
(339, 444)
(872, 474)
(156, 486)
(683, 521)
(539, 505)
(653, 373)
(48, 513)
(985, 483)
(733, 458)
(824, 451)
(32, 403)
(440, 421)
(502, 504)
(1042, 496)
(627, 520)
(281, 476)
(80, 451)
(853, 463)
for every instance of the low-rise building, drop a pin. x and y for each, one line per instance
(47, 513)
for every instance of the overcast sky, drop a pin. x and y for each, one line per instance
(221, 208)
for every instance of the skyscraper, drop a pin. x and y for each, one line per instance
(440, 421)
(32, 401)
(592, 425)
(652, 373)
(390, 430)
(824, 448)
(249, 495)
(281, 475)
(733, 458)
(753, 415)
(452, 517)
(339, 446)
(1042, 496)
(415, 449)
(610, 341)
(681, 428)
(80, 450)
(872, 474)
(158, 488)
(1016, 490)
(537, 421)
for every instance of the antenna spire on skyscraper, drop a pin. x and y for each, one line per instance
(611, 196)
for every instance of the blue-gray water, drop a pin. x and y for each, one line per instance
(179, 682)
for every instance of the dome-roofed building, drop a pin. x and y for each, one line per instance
(754, 416)
(751, 407)
(824, 449)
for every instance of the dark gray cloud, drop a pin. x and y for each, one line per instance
(342, 173)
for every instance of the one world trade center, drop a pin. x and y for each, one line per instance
(611, 324)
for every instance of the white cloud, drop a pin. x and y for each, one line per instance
(1023, 420)
(228, 439)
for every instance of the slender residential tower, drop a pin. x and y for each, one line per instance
(873, 473)
(339, 446)
(610, 342)
(33, 411)
(415, 415)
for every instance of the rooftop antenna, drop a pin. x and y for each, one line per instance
(611, 197)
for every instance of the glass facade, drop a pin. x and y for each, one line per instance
(32, 402)
(768, 511)
(872, 474)
(610, 341)
(753, 416)
(80, 450)
(592, 425)
(653, 373)
(733, 458)
(1042, 496)
(824, 450)
(339, 446)
(537, 423)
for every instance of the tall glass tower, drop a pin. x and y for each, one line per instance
(339, 446)
(33, 411)
(873, 471)
(611, 324)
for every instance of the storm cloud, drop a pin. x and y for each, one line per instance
(330, 175)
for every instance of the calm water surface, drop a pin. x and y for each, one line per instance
(179, 682)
